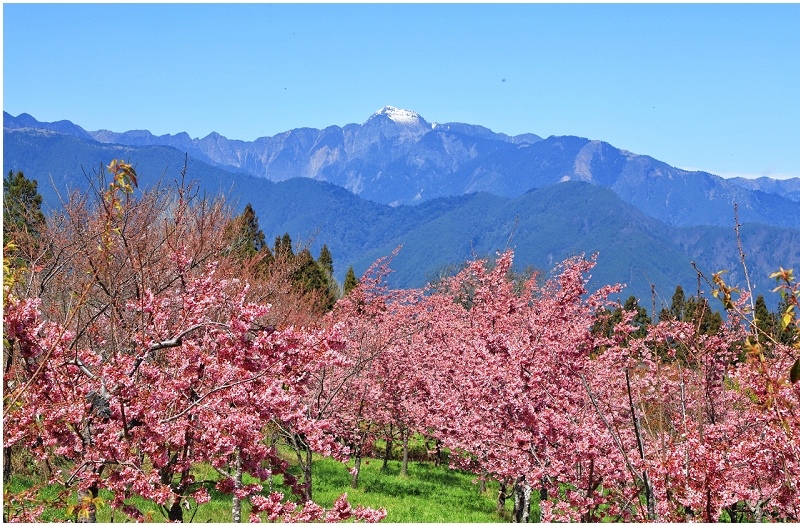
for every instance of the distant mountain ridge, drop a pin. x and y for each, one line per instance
(26, 121)
(544, 224)
(788, 188)
(397, 157)
(371, 160)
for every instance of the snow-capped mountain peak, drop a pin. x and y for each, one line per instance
(400, 116)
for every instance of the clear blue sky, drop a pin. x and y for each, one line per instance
(711, 87)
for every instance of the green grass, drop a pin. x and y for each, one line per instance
(427, 494)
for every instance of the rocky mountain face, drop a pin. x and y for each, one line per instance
(395, 157)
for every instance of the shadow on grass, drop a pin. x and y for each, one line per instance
(422, 479)
(427, 493)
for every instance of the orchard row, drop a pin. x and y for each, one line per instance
(141, 341)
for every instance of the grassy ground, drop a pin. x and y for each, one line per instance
(427, 494)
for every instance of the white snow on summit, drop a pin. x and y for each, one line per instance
(398, 115)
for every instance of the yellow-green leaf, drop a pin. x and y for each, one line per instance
(794, 374)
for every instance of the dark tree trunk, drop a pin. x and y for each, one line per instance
(8, 359)
(388, 453)
(175, 512)
(6, 464)
(404, 468)
(542, 497)
(304, 456)
(502, 495)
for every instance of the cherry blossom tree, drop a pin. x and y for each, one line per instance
(664, 424)
(143, 361)
(505, 381)
(351, 394)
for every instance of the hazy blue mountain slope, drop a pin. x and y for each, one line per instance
(180, 141)
(788, 188)
(397, 157)
(61, 163)
(542, 235)
(675, 196)
(766, 248)
(684, 198)
(23, 120)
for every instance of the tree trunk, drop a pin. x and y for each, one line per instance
(542, 497)
(175, 512)
(88, 510)
(356, 471)
(522, 501)
(501, 498)
(388, 453)
(307, 475)
(758, 511)
(6, 464)
(648, 487)
(236, 503)
(651, 500)
(8, 360)
(518, 497)
(404, 468)
(526, 502)
(304, 456)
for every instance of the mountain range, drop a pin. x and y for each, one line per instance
(449, 191)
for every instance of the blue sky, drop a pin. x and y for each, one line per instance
(711, 87)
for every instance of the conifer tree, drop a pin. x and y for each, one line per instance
(247, 237)
(698, 312)
(765, 320)
(326, 260)
(283, 246)
(350, 280)
(311, 277)
(247, 241)
(254, 235)
(786, 335)
(641, 320)
(22, 207)
(309, 273)
(678, 306)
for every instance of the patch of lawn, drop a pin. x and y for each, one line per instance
(427, 494)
